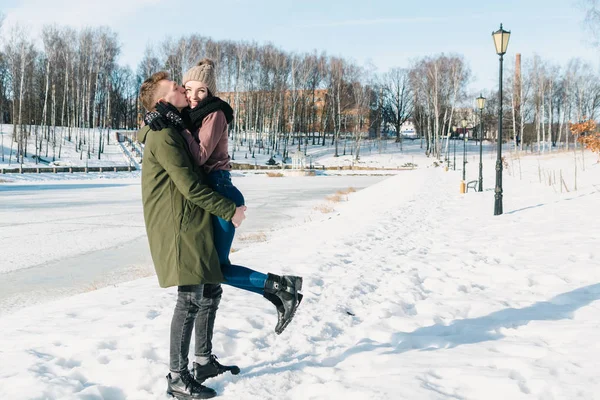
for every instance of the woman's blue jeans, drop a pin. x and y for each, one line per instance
(224, 231)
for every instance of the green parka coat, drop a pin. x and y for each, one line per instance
(177, 211)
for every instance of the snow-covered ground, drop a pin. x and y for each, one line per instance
(412, 291)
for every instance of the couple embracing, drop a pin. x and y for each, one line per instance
(191, 210)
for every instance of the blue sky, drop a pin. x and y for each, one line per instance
(378, 33)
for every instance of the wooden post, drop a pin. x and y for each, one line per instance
(563, 182)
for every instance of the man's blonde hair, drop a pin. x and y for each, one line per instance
(148, 95)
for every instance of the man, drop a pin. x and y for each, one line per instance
(177, 209)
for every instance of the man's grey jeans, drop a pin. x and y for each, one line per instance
(196, 308)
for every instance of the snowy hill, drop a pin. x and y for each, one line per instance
(374, 154)
(65, 153)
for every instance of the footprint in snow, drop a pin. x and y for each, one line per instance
(103, 360)
(521, 381)
(152, 314)
(68, 363)
(150, 354)
(255, 323)
(108, 345)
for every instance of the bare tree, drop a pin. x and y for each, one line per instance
(362, 94)
(399, 99)
(20, 54)
(438, 83)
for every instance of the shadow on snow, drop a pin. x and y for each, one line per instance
(440, 336)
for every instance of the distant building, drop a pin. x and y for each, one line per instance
(408, 130)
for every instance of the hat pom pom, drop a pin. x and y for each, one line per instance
(207, 62)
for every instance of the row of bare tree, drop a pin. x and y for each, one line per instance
(282, 100)
(545, 97)
(72, 82)
(285, 100)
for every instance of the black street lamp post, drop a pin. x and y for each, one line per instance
(501, 38)
(480, 105)
(446, 157)
(464, 126)
(454, 135)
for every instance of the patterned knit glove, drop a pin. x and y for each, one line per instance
(155, 121)
(171, 115)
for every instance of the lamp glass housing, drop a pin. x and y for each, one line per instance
(480, 102)
(501, 38)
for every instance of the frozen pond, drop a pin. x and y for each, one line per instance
(67, 237)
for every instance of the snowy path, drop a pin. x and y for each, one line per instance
(417, 280)
(412, 291)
